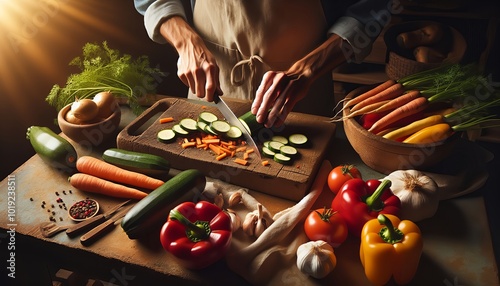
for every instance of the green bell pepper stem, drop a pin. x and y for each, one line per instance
(197, 231)
(389, 233)
(373, 201)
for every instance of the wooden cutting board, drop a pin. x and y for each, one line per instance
(290, 182)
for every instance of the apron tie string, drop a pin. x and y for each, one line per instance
(238, 71)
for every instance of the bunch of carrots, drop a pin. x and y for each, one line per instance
(98, 176)
(426, 107)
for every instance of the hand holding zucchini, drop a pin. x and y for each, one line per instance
(52, 148)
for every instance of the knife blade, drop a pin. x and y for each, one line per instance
(92, 235)
(232, 119)
(93, 221)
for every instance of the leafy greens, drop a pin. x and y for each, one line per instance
(106, 69)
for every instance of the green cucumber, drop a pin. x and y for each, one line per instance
(289, 151)
(297, 140)
(179, 130)
(153, 210)
(52, 148)
(282, 159)
(166, 135)
(250, 120)
(220, 127)
(189, 124)
(268, 153)
(234, 133)
(275, 146)
(201, 126)
(144, 163)
(207, 117)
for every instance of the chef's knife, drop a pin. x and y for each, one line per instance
(233, 120)
(88, 224)
(92, 235)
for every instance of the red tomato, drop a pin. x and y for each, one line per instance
(341, 174)
(327, 225)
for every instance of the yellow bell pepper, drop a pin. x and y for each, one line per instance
(390, 247)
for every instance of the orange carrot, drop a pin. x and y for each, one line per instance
(393, 91)
(367, 109)
(188, 144)
(211, 141)
(89, 183)
(241, 161)
(399, 101)
(241, 149)
(410, 108)
(265, 163)
(245, 156)
(221, 156)
(215, 149)
(379, 88)
(99, 168)
(166, 120)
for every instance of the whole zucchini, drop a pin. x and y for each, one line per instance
(52, 148)
(148, 164)
(153, 210)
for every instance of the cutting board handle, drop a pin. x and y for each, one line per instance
(144, 120)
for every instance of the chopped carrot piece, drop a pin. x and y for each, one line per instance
(245, 156)
(214, 148)
(221, 156)
(202, 145)
(211, 141)
(241, 149)
(186, 140)
(198, 141)
(166, 120)
(249, 151)
(203, 107)
(188, 144)
(225, 150)
(265, 163)
(241, 161)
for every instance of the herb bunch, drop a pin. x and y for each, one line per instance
(106, 69)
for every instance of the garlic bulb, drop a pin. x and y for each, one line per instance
(417, 192)
(235, 220)
(316, 258)
(255, 223)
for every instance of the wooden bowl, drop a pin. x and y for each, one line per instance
(384, 155)
(92, 134)
(401, 62)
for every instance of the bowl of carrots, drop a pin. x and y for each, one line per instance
(388, 155)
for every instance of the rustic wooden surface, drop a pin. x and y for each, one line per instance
(457, 240)
(141, 136)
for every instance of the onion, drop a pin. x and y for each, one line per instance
(84, 109)
(106, 103)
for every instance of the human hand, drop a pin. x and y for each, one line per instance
(276, 96)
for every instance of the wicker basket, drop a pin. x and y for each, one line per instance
(401, 63)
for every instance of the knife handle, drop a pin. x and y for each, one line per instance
(95, 233)
(85, 225)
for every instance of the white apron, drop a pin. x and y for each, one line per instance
(250, 37)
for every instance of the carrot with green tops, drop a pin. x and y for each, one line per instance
(416, 105)
(377, 89)
(398, 101)
(93, 184)
(391, 92)
(99, 168)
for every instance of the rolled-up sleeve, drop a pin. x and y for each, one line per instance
(360, 25)
(156, 12)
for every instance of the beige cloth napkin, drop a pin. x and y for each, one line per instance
(271, 258)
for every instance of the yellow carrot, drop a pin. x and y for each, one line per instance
(414, 127)
(431, 134)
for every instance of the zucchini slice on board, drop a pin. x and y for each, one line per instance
(298, 140)
(289, 151)
(234, 133)
(267, 152)
(207, 117)
(188, 124)
(166, 135)
(282, 159)
(275, 146)
(179, 130)
(220, 127)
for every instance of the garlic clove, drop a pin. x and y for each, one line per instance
(234, 199)
(249, 223)
(235, 220)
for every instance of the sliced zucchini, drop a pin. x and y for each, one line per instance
(282, 159)
(189, 124)
(246, 126)
(220, 127)
(250, 120)
(207, 117)
(267, 152)
(209, 130)
(275, 146)
(234, 133)
(201, 126)
(166, 135)
(289, 151)
(297, 140)
(179, 130)
(281, 139)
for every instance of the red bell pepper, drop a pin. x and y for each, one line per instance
(359, 201)
(197, 234)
